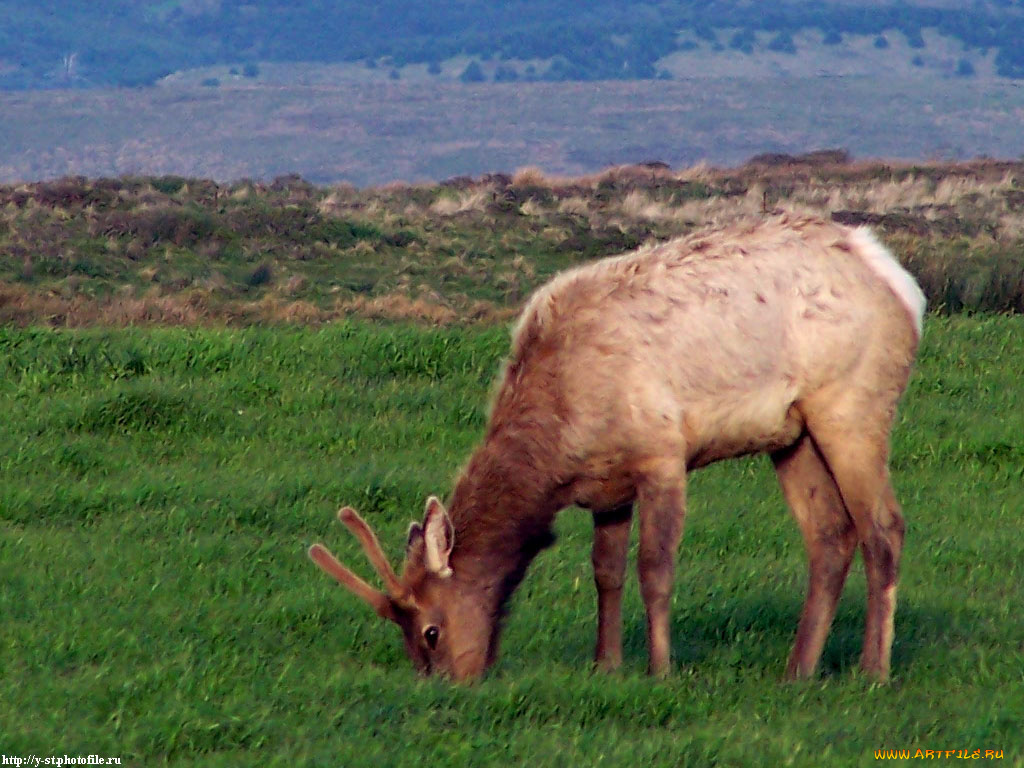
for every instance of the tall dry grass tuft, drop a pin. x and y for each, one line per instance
(533, 207)
(398, 306)
(701, 171)
(720, 210)
(1011, 228)
(331, 205)
(575, 205)
(466, 202)
(638, 204)
(530, 176)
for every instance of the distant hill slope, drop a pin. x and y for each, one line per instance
(678, 82)
(372, 133)
(119, 42)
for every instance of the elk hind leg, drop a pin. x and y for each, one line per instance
(830, 538)
(857, 456)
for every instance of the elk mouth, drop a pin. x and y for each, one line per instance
(468, 666)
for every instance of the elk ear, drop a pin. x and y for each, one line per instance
(438, 538)
(414, 537)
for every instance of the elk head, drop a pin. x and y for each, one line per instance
(446, 626)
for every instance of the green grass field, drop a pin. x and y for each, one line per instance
(159, 488)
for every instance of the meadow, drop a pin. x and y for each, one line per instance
(161, 485)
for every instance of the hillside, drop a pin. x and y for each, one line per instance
(116, 42)
(333, 131)
(169, 250)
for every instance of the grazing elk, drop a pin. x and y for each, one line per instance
(794, 337)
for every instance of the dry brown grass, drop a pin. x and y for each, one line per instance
(466, 202)
(533, 207)
(21, 307)
(639, 205)
(155, 251)
(530, 176)
(577, 205)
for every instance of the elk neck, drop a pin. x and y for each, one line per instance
(502, 509)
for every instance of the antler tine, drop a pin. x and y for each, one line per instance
(320, 555)
(371, 546)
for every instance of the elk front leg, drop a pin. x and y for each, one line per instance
(611, 544)
(661, 504)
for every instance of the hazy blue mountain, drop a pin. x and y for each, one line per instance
(46, 43)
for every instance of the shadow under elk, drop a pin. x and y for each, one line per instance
(794, 337)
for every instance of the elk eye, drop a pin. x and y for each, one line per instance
(430, 634)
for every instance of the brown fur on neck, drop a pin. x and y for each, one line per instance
(502, 512)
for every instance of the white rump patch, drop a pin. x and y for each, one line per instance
(902, 283)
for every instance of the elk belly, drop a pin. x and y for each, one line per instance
(756, 423)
